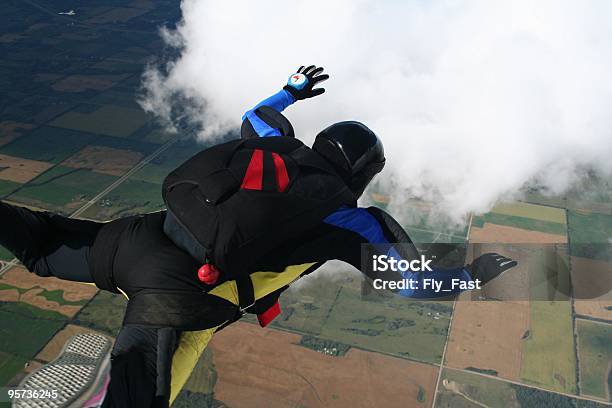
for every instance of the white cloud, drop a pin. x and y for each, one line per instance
(472, 99)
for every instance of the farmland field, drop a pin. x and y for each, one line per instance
(595, 358)
(548, 353)
(489, 336)
(465, 390)
(395, 325)
(108, 120)
(24, 330)
(104, 313)
(71, 125)
(305, 377)
(62, 189)
(47, 144)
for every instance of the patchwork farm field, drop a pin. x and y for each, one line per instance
(305, 377)
(20, 170)
(71, 126)
(595, 356)
(591, 234)
(24, 330)
(592, 279)
(132, 197)
(62, 189)
(488, 336)
(108, 120)
(387, 324)
(548, 352)
(103, 313)
(47, 144)
(105, 160)
(338, 312)
(66, 298)
(460, 389)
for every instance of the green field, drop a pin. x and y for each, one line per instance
(37, 109)
(464, 390)
(62, 186)
(592, 193)
(158, 169)
(140, 146)
(52, 295)
(589, 227)
(390, 324)
(103, 313)
(24, 330)
(306, 308)
(590, 234)
(595, 353)
(204, 375)
(519, 222)
(461, 385)
(5, 255)
(10, 365)
(131, 197)
(7, 187)
(548, 353)
(190, 399)
(158, 136)
(111, 97)
(47, 144)
(58, 297)
(532, 211)
(111, 120)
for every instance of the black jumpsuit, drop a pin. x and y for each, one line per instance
(142, 258)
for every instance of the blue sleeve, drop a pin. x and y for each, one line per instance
(279, 102)
(360, 221)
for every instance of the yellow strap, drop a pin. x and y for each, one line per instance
(192, 344)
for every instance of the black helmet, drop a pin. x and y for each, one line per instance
(354, 151)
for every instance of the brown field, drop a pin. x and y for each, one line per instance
(19, 277)
(54, 346)
(511, 235)
(10, 130)
(263, 367)
(21, 170)
(9, 295)
(592, 287)
(79, 83)
(106, 160)
(488, 335)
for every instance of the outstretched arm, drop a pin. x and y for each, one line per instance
(379, 229)
(300, 85)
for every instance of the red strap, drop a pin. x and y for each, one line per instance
(266, 317)
(282, 178)
(254, 174)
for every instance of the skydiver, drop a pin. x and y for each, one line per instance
(173, 310)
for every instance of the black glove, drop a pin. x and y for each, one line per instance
(489, 266)
(301, 83)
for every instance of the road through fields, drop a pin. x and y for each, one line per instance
(107, 190)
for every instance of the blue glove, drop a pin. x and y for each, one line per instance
(300, 85)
